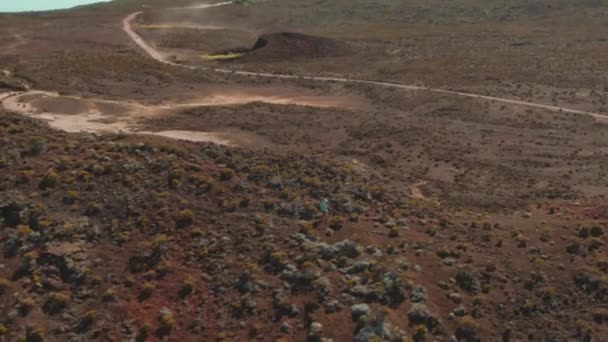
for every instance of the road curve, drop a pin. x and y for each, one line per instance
(150, 50)
(156, 55)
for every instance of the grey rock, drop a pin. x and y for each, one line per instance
(315, 328)
(459, 311)
(359, 310)
(285, 327)
(449, 261)
(373, 251)
(322, 284)
(12, 315)
(390, 224)
(359, 267)
(332, 306)
(418, 295)
(455, 297)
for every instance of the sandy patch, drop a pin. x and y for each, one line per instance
(89, 123)
(244, 98)
(212, 137)
(74, 114)
(60, 105)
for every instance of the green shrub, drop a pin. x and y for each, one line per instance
(146, 291)
(337, 223)
(34, 335)
(26, 304)
(187, 287)
(184, 219)
(109, 295)
(467, 330)
(4, 284)
(36, 147)
(93, 209)
(166, 320)
(600, 316)
(70, 197)
(88, 319)
(50, 180)
(56, 302)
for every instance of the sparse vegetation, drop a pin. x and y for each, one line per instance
(448, 216)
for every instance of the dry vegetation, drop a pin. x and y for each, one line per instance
(120, 237)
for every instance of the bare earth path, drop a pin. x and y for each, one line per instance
(76, 114)
(158, 56)
(94, 116)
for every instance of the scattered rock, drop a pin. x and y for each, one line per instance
(459, 311)
(286, 328)
(420, 315)
(455, 297)
(418, 295)
(359, 310)
(449, 261)
(315, 330)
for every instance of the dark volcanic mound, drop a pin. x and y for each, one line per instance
(288, 45)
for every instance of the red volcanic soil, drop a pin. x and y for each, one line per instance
(288, 45)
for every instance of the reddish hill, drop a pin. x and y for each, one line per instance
(289, 45)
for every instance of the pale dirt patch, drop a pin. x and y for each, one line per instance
(194, 136)
(244, 98)
(416, 192)
(74, 114)
(89, 123)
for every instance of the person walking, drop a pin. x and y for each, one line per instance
(324, 206)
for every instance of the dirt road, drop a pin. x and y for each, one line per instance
(97, 115)
(151, 51)
(93, 115)
(158, 56)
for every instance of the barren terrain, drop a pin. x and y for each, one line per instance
(162, 165)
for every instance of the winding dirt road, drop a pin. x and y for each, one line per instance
(158, 56)
(151, 51)
(91, 115)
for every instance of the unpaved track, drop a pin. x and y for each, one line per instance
(4, 96)
(95, 120)
(155, 54)
(12, 101)
(76, 114)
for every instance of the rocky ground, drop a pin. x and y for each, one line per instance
(118, 237)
